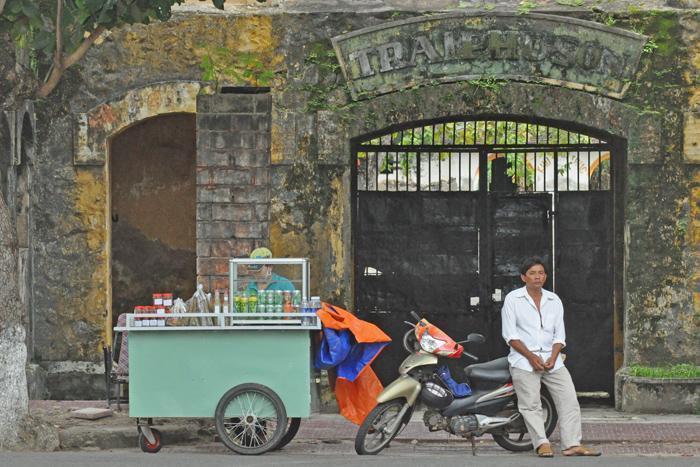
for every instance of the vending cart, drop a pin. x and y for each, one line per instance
(247, 367)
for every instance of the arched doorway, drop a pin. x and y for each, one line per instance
(23, 221)
(152, 171)
(5, 157)
(446, 210)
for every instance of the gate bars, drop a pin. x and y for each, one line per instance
(521, 157)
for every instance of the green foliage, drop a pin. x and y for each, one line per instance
(607, 19)
(683, 370)
(32, 24)
(221, 63)
(650, 46)
(326, 63)
(525, 6)
(488, 82)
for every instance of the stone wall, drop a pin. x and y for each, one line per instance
(276, 168)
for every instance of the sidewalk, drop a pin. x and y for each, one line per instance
(614, 432)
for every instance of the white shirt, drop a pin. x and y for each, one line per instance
(538, 331)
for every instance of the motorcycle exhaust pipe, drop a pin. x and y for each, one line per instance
(487, 423)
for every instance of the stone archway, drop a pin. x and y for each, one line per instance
(637, 137)
(94, 130)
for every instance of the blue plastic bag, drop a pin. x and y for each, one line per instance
(458, 389)
(335, 347)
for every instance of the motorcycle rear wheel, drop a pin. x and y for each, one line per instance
(373, 435)
(516, 438)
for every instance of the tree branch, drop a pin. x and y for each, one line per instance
(84, 47)
(57, 71)
(2, 5)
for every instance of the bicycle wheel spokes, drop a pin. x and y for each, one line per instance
(254, 419)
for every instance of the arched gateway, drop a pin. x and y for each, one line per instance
(447, 210)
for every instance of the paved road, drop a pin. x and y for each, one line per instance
(324, 454)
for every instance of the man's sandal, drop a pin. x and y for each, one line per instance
(545, 450)
(580, 451)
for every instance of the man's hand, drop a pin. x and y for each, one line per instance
(537, 363)
(535, 360)
(552, 360)
(549, 364)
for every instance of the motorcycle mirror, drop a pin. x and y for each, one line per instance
(476, 338)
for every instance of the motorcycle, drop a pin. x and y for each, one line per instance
(490, 408)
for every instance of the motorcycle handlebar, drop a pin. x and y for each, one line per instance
(415, 315)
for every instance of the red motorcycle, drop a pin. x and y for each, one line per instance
(486, 404)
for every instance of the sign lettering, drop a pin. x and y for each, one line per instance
(454, 47)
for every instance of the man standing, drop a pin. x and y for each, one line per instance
(533, 327)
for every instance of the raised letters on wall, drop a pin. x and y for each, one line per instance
(455, 46)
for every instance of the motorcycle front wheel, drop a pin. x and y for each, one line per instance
(515, 437)
(379, 428)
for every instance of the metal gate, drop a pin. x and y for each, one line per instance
(447, 211)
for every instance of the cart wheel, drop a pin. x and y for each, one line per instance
(251, 419)
(292, 428)
(147, 446)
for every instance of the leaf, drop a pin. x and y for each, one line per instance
(30, 9)
(93, 6)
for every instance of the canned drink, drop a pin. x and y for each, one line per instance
(253, 304)
(279, 297)
(241, 303)
(296, 298)
(277, 309)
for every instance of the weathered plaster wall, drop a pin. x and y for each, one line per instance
(662, 316)
(312, 123)
(69, 245)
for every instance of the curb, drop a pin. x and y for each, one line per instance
(75, 438)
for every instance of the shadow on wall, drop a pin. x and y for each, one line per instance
(153, 202)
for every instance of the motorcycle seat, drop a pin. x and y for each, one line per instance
(495, 371)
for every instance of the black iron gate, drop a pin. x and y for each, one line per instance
(446, 212)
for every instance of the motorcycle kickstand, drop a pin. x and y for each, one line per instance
(473, 442)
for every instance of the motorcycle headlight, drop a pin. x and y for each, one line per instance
(430, 344)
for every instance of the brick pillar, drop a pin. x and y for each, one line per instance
(233, 173)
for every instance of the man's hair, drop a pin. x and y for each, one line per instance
(530, 262)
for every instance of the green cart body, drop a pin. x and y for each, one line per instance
(185, 372)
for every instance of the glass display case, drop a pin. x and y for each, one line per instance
(270, 289)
